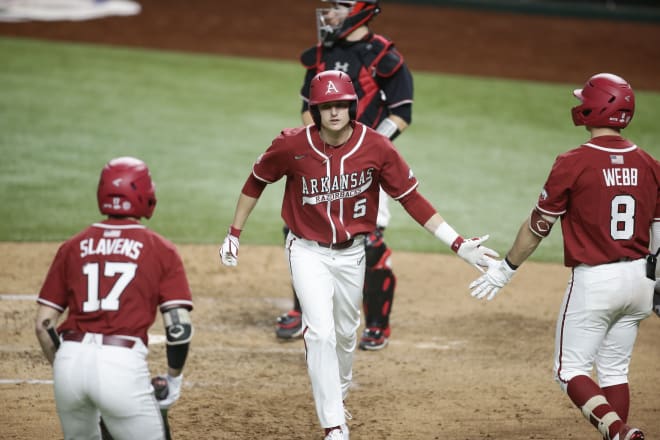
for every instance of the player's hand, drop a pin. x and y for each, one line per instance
(229, 250)
(474, 253)
(489, 284)
(167, 389)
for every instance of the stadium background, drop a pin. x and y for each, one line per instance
(456, 368)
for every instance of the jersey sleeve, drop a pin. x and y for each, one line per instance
(271, 165)
(554, 197)
(396, 177)
(53, 292)
(398, 89)
(174, 287)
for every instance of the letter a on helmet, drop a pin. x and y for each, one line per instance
(330, 86)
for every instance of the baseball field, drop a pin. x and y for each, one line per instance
(198, 93)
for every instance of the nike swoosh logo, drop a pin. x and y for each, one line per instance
(299, 156)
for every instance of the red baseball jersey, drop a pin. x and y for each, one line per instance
(113, 276)
(607, 193)
(331, 194)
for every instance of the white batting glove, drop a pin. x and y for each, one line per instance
(229, 250)
(474, 253)
(173, 391)
(489, 284)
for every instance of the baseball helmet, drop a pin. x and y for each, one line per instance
(607, 100)
(330, 86)
(344, 17)
(125, 189)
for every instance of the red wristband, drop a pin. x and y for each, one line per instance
(457, 243)
(235, 232)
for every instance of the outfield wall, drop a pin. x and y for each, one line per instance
(632, 10)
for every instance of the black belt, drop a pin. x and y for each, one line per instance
(117, 341)
(343, 245)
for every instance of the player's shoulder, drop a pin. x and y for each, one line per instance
(310, 56)
(388, 60)
(292, 132)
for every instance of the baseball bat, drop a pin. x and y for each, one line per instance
(105, 434)
(160, 391)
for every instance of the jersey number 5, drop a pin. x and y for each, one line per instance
(622, 222)
(126, 273)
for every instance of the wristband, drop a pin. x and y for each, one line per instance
(510, 264)
(448, 236)
(234, 231)
(388, 128)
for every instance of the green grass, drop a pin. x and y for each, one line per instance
(481, 147)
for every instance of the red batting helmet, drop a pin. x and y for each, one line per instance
(607, 101)
(125, 189)
(330, 86)
(358, 14)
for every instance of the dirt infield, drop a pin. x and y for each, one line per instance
(456, 368)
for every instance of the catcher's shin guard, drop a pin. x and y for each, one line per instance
(379, 282)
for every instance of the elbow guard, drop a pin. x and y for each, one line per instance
(178, 326)
(541, 224)
(179, 330)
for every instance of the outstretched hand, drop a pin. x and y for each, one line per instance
(489, 284)
(472, 251)
(229, 251)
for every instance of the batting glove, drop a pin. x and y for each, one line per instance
(488, 285)
(474, 253)
(229, 250)
(173, 391)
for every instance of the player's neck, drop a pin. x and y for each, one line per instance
(603, 131)
(336, 139)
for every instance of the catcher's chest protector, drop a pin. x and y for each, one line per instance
(366, 62)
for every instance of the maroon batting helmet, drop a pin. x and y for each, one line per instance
(125, 189)
(607, 101)
(330, 86)
(358, 13)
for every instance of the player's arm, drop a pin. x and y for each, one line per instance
(530, 234)
(421, 210)
(46, 318)
(179, 331)
(534, 229)
(392, 126)
(246, 202)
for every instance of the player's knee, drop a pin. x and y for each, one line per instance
(377, 253)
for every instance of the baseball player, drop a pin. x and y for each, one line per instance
(607, 194)
(333, 169)
(384, 86)
(112, 277)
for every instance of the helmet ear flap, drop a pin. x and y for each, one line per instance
(607, 100)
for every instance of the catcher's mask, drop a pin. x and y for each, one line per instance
(606, 101)
(342, 18)
(329, 86)
(125, 189)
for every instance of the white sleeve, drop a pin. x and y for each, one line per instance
(655, 244)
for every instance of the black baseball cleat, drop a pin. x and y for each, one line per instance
(374, 338)
(289, 325)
